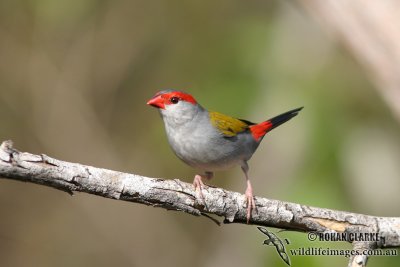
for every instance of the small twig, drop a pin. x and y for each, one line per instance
(360, 260)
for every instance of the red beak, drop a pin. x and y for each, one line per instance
(157, 102)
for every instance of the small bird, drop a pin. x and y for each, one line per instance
(209, 140)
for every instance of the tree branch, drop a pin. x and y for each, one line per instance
(180, 196)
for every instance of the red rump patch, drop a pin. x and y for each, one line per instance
(259, 130)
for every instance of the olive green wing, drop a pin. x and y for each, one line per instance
(227, 125)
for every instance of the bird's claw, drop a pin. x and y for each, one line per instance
(198, 186)
(250, 203)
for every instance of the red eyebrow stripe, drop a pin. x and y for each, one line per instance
(183, 96)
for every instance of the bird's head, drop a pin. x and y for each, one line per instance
(176, 107)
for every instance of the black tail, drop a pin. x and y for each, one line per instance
(284, 117)
(259, 130)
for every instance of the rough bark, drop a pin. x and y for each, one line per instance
(180, 196)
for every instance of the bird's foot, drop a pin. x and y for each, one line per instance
(251, 204)
(198, 186)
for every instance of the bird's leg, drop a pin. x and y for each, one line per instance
(198, 183)
(249, 193)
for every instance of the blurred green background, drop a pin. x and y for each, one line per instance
(74, 79)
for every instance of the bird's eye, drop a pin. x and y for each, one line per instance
(174, 100)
